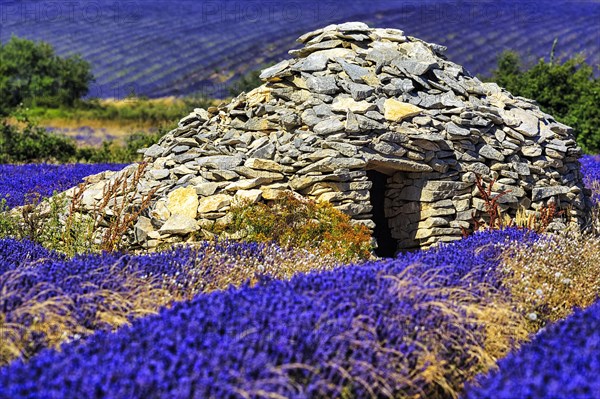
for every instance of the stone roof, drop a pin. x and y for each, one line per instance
(350, 100)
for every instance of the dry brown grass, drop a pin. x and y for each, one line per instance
(136, 296)
(551, 277)
(117, 199)
(37, 321)
(499, 330)
(44, 317)
(114, 214)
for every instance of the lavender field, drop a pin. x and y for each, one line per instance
(22, 182)
(157, 49)
(222, 320)
(236, 255)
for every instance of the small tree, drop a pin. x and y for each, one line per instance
(508, 72)
(566, 90)
(31, 74)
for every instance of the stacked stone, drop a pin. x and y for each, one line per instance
(355, 99)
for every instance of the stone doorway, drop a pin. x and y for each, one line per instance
(387, 245)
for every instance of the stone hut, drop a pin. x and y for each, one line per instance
(378, 123)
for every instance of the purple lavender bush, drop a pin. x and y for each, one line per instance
(590, 167)
(394, 328)
(16, 254)
(20, 182)
(44, 292)
(563, 361)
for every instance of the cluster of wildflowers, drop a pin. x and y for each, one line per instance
(551, 277)
(415, 325)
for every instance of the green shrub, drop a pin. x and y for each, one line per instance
(26, 142)
(297, 223)
(32, 143)
(30, 74)
(566, 90)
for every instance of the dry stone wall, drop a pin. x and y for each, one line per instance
(354, 101)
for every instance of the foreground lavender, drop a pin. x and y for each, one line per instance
(563, 361)
(394, 328)
(48, 299)
(18, 182)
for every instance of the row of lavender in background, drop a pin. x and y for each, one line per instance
(136, 47)
(18, 182)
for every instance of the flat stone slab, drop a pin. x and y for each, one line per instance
(183, 201)
(179, 224)
(396, 111)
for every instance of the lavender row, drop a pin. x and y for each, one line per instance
(34, 265)
(224, 37)
(590, 167)
(563, 361)
(18, 183)
(49, 299)
(389, 328)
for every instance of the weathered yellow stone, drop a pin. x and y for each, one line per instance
(396, 111)
(183, 201)
(371, 79)
(299, 82)
(214, 203)
(160, 211)
(244, 197)
(179, 224)
(348, 103)
(274, 191)
(259, 95)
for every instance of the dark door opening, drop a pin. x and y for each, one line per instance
(387, 246)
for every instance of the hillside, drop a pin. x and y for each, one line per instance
(163, 48)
